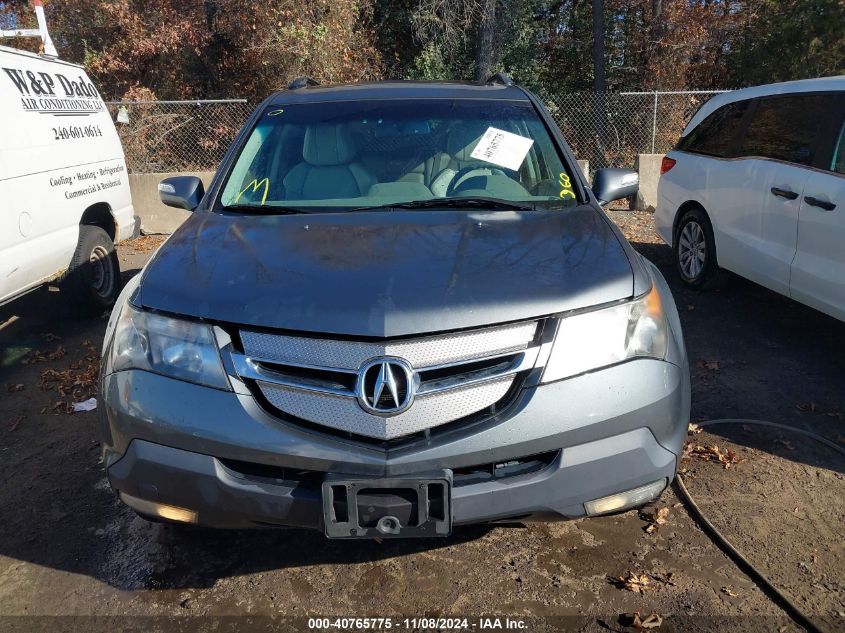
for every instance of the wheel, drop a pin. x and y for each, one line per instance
(92, 282)
(695, 252)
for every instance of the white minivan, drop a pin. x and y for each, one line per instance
(756, 185)
(64, 191)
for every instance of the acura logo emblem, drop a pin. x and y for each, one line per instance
(385, 386)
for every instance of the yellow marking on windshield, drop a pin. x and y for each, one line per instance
(565, 186)
(255, 184)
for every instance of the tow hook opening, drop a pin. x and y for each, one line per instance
(389, 525)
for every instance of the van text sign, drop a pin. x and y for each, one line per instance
(55, 93)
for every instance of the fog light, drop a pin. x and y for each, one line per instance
(162, 510)
(627, 499)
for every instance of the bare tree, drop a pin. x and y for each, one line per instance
(445, 23)
(598, 69)
(484, 47)
(598, 45)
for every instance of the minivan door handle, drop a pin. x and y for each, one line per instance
(785, 193)
(821, 204)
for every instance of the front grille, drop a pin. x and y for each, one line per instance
(333, 382)
(344, 413)
(426, 351)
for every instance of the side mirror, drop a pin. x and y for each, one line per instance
(614, 184)
(182, 192)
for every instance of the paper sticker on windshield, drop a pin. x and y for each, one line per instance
(502, 148)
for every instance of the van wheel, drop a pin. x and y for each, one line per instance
(695, 252)
(92, 282)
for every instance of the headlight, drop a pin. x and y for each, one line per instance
(604, 337)
(180, 349)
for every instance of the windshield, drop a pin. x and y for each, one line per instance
(360, 154)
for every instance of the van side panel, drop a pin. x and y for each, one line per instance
(60, 155)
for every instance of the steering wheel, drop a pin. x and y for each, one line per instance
(461, 173)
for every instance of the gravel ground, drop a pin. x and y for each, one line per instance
(67, 548)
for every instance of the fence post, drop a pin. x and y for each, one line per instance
(654, 123)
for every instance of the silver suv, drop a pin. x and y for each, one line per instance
(397, 308)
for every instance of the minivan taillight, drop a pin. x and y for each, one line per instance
(666, 164)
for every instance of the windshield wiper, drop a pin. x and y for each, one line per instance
(475, 202)
(265, 210)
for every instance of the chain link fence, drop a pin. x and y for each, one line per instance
(166, 136)
(608, 129)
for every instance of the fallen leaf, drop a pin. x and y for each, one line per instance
(806, 406)
(653, 621)
(713, 453)
(690, 307)
(16, 387)
(636, 621)
(76, 383)
(694, 429)
(638, 583)
(654, 514)
(34, 356)
(728, 458)
(16, 422)
(144, 244)
(786, 444)
(730, 592)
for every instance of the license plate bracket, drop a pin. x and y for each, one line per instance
(396, 507)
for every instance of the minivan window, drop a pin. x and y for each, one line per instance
(787, 127)
(358, 154)
(717, 134)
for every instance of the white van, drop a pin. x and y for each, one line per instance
(756, 186)
(64, 191)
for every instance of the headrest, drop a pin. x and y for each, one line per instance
(463, 140)
(328, 144)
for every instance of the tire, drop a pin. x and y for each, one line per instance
(694, 250)
(92, 282)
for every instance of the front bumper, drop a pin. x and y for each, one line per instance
(170, 442)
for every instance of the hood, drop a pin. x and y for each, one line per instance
(385, 274)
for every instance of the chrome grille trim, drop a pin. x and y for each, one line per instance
(428, 411)
(427, 351)
(255, 369)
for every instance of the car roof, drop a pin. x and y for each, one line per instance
(823, 84)
(399, 90)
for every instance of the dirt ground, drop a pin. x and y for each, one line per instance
(67, 548)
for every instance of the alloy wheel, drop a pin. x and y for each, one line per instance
(692, 249)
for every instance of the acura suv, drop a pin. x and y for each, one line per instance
(399, 307)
